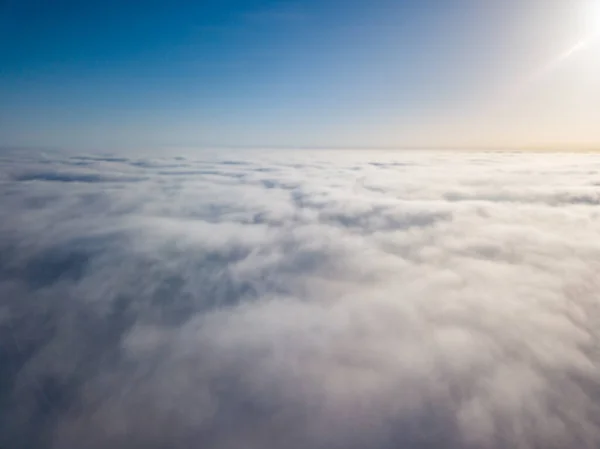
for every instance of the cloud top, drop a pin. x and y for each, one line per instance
(300, 300)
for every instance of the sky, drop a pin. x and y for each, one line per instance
(109, 75)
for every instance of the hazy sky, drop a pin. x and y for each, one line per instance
(128, 74)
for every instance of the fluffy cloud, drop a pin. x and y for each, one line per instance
(300, 300)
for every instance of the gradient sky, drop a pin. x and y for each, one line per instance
(315, 73)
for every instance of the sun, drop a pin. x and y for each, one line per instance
(593, 19)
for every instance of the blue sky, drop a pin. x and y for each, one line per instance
(129, 74)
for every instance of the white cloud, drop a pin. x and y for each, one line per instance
(322, 300)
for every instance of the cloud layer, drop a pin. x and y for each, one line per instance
(300, 300)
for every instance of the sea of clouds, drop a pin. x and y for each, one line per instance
(300, 300)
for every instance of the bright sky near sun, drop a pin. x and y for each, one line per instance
(315, 73)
